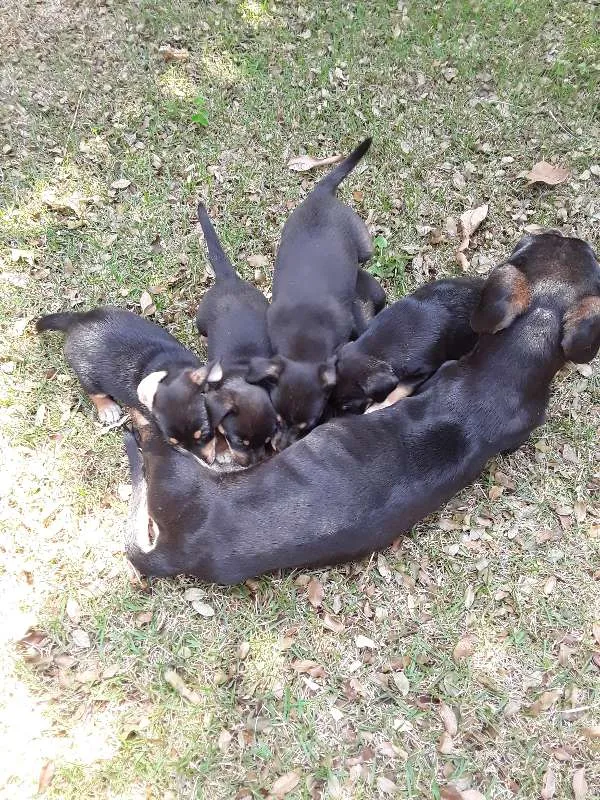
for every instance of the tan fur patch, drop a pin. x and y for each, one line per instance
(399, 393)
(588, 307)
(521, 292)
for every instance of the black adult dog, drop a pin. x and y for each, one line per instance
(407, 343)
(354, 484)
(233, 316)
(313, 308)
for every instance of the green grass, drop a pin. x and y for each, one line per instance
(481, 89)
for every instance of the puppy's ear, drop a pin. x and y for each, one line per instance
(198, 376)
(581, 332)
(215, 373)
(218, 407)
(264, 370)
(506, 295)
(147, 387)
(379, 384)
(328, 374)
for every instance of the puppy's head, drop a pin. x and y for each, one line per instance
(299, 392)
(550, 271)
(176, 401)
(244, 415)
(361, 380)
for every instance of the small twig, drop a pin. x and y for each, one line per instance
(560, 124)
(73, 121)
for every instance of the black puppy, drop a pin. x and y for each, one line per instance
(369, 301)
(355, 484)
(119, 356)
(312, 310)
(406, 343)
(233, 317)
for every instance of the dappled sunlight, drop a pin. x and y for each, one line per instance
(255, 13)
(175, 84)
(221, 68)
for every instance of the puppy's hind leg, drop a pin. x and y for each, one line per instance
(362, 237)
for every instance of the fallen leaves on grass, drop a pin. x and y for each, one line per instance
(309, 667)
(402, 683)
(81, 638)
(543, 172)
(333, 624)
(469, 222)
(596, 631)
(145, 618)
(544, 702)
(285, 784)
(46, 775)
(315, 592)
(304, 163)
(592, 731)
(224, 740)
(580, 786)
(448, 717)
(176, 682)
(445, 745)
(173, 53)
(549, 786)
(550, 585)
(463, 649)
(363, 642)
(203, 609)
(257, 261)
(120, 183)
(147, 304)
(386, 786)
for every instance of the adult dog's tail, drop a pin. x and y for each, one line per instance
(56, 322)
(221, 265)
(336, 176)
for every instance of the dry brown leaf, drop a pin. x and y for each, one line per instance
(304, 163)
(176, 682)
(257, 261)
(364, 642)
(550, 585)
(469, 596)
(445, 744)
(463, 649)
(203, 609)
(591, 731)
(469, 222)
(450, 792)
(173, 53)
(543, 172)
(143, 619)
(402, 683)
(544, 702)
(495, 492)
(121, 183)
(73, 610)
(471, 794)
(224, 740)
(333, 624)
(596, 631)
(80, 638)
(512, 707)
(46, 775)
(243, 650)
(580, 787)
(309, 667)
(147, 304)
(386, 786)
(549, 787)
(285, 784)
(448, 717)
(315, 593)
(193, 594)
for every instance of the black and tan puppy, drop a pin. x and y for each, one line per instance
(406, 343)
(233, 317)
(119, 356)
(356, 483)
(312, 310)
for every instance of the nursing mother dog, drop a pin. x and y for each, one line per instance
(354, 484)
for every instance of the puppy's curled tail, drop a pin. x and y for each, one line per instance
(221, 265)
(56, 322)
(336, 176)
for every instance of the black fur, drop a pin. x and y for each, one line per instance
(355, 484)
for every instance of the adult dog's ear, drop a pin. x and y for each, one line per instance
(264, 370)
(147, 387)
(218, 407)
(581, 331)
(327, 373)
(506, 295)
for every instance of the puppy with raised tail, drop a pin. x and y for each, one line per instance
(312, 311)
(119, 357)
(233, 317)
(405, 344)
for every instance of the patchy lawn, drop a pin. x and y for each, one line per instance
(464, 658)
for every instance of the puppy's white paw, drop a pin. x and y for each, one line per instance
(109, 413)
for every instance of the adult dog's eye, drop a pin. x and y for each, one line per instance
(302, 426)
(172, 440)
